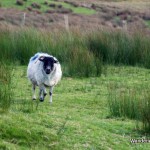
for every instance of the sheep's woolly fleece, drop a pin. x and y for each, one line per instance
(37, 76)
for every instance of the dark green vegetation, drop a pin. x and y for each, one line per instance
(70, 49)
(103, 111)
(43, 6)
(78, 118)
(132, 101)
(121, 48)
(147, 22)
(91, 49)
(5, 86)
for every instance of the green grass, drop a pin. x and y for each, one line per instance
(78, 10)
(77, 119)
(147, 23)
(6, 94)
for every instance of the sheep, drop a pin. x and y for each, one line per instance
(43, 71)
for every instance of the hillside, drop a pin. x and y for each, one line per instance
(103, 99)
(88, 14)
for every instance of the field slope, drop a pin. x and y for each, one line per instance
(78, 118)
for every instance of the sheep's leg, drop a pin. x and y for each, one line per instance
(33, 90)
(45, 93)
(51, 93)
(41, 93)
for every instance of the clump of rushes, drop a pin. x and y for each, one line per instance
(102, 47)
(6, 93)
(130, 103)
(82, 63)
(145, 112)
(117, 47)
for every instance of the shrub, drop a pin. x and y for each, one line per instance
(59, 6)
(72, 3)
(19, 2)
(46, 3)
(29, 8)
(64, 10)
(50, 11)
(52, 5)
(35, 5)
(37, 11)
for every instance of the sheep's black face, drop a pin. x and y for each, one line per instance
(48, 64)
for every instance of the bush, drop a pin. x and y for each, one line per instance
(64, 10)
(46, 3)
(50, 11)
(35, 5)
(59, 6)
(52, 5)
(29, 8)
(19, 2)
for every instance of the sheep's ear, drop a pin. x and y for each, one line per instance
(55, 61)
(41, 58)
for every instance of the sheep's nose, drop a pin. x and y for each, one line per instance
(48, 71)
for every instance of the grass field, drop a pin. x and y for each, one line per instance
(78, 10)
(102, 101)
(79, 117)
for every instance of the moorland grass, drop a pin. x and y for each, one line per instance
(82, 111)
(121, 47)
(133, 103)
(93, 47)
(20, 45)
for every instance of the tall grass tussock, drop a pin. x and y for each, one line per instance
(71, 50)
(113, 47)
(6, 93)
(130, 103)
(121, 48)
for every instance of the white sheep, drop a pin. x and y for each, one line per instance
(44, 71)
